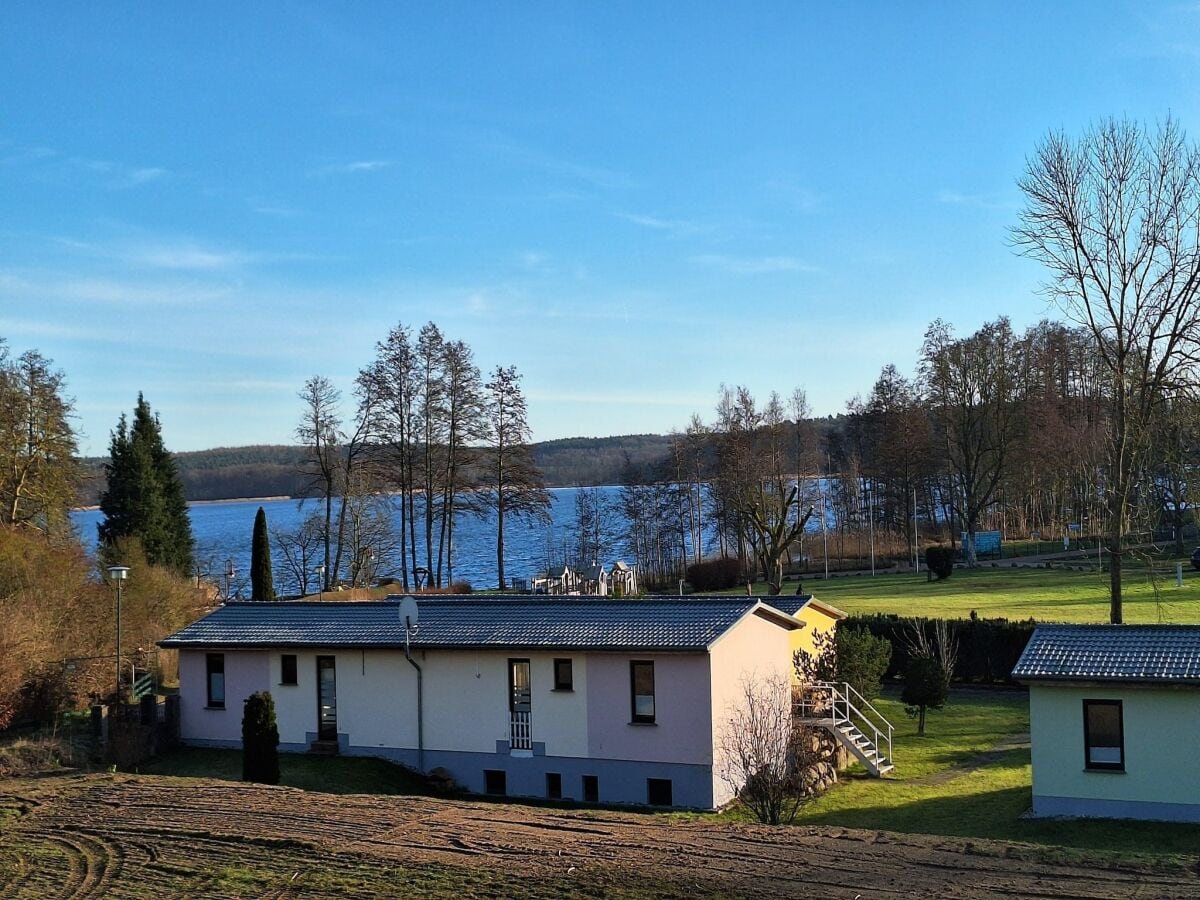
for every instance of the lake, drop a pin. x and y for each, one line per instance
(223, 530)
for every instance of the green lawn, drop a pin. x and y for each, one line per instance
(330, 775)
(940, 787)
(1051, 595)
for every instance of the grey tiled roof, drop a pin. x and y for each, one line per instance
(789, 603)
(1155, 653)
(567, 623)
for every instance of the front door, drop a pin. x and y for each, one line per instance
(519, 704)
(326, 699)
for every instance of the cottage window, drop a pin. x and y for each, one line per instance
(1103, 735)
(641, 678)
(564, 677)
(554, 785)
(591, 789)
(287, 668)
(215, 668)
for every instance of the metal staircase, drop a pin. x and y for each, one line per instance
(852, 720)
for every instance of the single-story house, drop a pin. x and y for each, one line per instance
(589, 699)
(820, 618)
(1114, 713)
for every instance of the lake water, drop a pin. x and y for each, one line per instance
(223, 531)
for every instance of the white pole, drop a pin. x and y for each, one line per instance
(916, 548)
(824, 532)
(871, 521)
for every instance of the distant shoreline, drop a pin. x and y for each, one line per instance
(205, 502)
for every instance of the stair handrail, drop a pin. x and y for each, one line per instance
(851, 691)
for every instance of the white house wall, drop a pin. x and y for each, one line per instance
(1161, 730)
(755, 648)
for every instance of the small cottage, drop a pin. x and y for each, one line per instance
(1114, 714)
(600, 700)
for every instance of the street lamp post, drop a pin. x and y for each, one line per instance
(230, 574)
(118, 574)
(321, 584)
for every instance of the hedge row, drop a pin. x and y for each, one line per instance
(715, 575)
(988, 649)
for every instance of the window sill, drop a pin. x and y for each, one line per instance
(1092, 770)
(287, 684)
(216, 708)
(562, 690)
(644, 724)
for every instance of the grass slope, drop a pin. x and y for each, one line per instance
(1050, 595)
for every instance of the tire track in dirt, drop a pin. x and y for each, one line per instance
(138, 836)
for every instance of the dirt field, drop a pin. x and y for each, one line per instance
(130, 836)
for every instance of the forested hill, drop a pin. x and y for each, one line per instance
(226, 473)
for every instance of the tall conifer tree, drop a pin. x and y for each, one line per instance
(144, 496)
(262, 585)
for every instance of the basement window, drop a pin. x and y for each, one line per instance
(658, 791)
(495, 781)
(1103, 735)
(553, 786)
(591, 789)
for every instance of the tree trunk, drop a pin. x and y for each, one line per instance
(500, 540)
(921, 723)
(1114, 578)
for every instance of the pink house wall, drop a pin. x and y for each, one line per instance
(682, 732)
(246, 671)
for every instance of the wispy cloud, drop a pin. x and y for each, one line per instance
(754, 265)
(596, 176)
(619, 398)
(676, 227)
(355, 167)
(795, 194)
(115, 175)
(993, 200)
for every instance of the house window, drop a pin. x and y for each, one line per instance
(1103, 735)
(553, 786)
(215, 667)
(287, 668)
(591, 789)
(564, 676)
(641, 678)
(658, 791)
(495, 781)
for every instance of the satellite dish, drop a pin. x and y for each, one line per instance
(408, 612)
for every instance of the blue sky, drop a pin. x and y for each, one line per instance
(633, 203)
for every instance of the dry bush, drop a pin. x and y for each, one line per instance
(54, 608)
(764, 755)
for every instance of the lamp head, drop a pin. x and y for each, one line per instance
(118, 573)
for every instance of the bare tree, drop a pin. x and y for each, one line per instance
(299, 548)
(1115, 217)
(931, 663)
(320, 431)
(763, 753)
(973, 386)
(512, 484)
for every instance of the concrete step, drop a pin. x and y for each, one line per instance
(324, 748)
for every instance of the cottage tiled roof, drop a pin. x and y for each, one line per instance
(793, 603)
(1136, 653)
(476, 622)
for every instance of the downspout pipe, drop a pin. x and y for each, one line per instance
(420, 702)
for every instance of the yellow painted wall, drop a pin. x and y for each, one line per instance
(815, 622)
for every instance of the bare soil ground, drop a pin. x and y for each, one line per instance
(143, 836)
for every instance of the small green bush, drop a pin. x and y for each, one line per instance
(260, 740)
(714, 575)
(940, 561)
